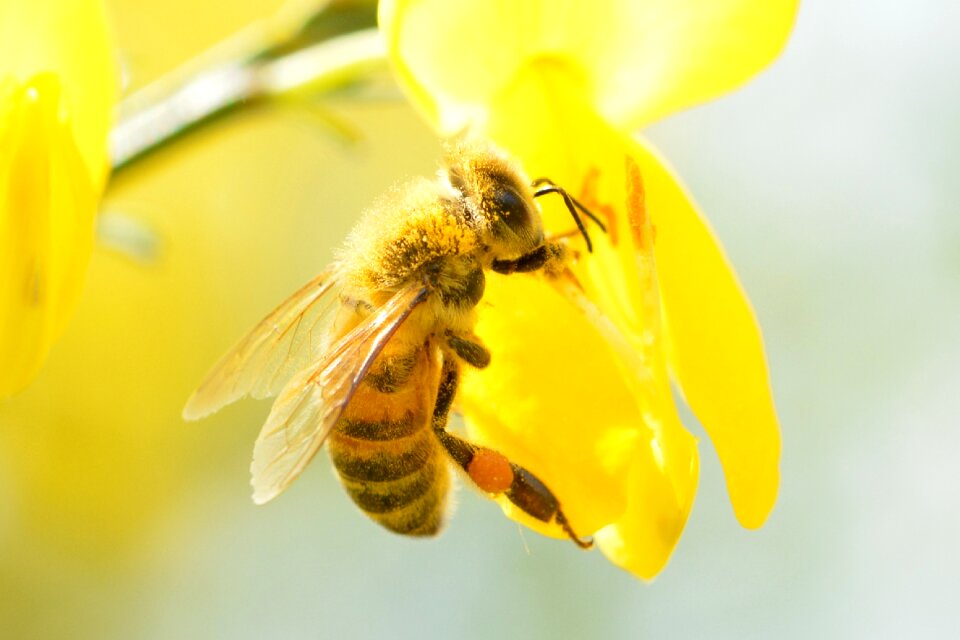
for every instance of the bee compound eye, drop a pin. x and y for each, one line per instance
(511, 208)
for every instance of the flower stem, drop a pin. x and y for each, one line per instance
(290, 56)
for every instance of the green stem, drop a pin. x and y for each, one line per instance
(286, 57)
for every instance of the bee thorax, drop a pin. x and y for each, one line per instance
(458, 282)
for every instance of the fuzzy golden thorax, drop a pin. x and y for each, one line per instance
(480, 209)
(412, 227)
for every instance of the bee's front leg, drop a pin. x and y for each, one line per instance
(550, 257)
(490, 470)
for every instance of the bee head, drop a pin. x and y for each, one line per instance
(498, 198)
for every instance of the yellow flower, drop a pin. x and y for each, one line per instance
(579, 389)
(57, 86)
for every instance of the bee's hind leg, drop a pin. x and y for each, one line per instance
(490, 470)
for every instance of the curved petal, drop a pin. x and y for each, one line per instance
(642, 540)
(47, 207)
(661, 56)
(552, 399)
(716, 351)
(657, 458)
(639, 59)
(69, 38)
(711, 339)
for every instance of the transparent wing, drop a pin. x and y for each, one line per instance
(311, 403)
(282, 344)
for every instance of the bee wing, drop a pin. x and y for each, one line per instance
(311, 403)
(279, 346)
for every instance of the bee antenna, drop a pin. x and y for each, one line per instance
(544, 186)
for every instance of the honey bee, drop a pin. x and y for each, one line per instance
(367, 356)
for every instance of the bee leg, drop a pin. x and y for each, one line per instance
(470, 349)
(546, 257)
(490, 470)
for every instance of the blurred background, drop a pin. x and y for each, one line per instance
(830, 180)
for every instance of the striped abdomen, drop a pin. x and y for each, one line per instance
(384, 448)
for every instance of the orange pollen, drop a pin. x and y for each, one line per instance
(644, 233)
(490, 471)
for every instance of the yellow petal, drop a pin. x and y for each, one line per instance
(712, 339)
(716, 350)
(660, 56)
(552, 399)
(661, 489)
(69, 38)
(642, 540)
(656, 471)
(47, 206)
(639, 59)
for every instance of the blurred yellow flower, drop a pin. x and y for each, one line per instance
(57, 89)
(579, 387)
